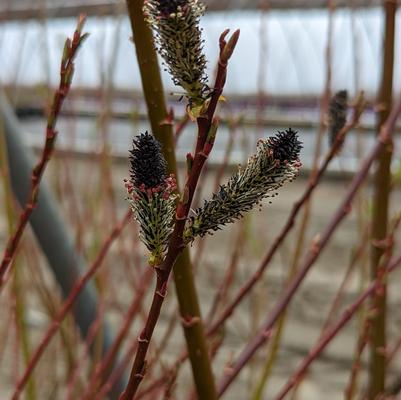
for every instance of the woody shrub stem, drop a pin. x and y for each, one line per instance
(377, 364)
(67, 67)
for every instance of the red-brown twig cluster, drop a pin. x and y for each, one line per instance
(247, 287)
(264, 333)
(71, 48)
(332, 332)
(75, 291)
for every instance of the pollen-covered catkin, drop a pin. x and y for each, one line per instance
(178, 40)
(276, 161)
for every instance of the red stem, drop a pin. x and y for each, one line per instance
(105, 389)
(103, 368)
(205, 121)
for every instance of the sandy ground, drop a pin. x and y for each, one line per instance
(329, 375)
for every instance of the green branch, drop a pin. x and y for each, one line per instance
(377, 367)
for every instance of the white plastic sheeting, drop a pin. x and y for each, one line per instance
(280, 52)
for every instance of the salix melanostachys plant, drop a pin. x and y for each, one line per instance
(178, 37)
(201, 105)
(278, 160)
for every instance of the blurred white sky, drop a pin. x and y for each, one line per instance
(293, 62)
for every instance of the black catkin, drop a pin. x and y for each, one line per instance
(151, 195)
(147, 164)
(285, 146)
(337, 114)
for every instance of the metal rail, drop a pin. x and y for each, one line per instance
(24, 10)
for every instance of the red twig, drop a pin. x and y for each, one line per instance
(205, 121)
(164, 378)
(344, 208)
(204, 145)
(356, 362)
(66, 73)
(164, 341)
(387, 246)
(75, 291)
(332, 332)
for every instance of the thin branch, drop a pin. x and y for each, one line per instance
(115, 376)
(248, 286)
(103, 369)
(71, 48)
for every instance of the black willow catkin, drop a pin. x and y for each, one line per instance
(337, 114)
(151, 195)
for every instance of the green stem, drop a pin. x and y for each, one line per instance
(162, 128)
(377, 367)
